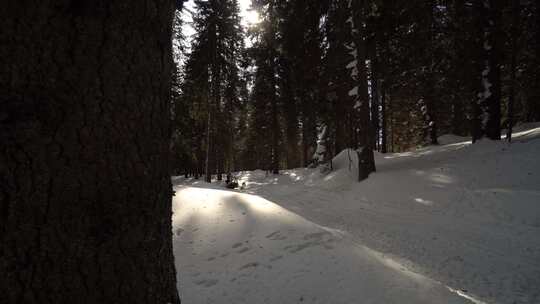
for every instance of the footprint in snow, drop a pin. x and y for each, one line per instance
(276, 236)
(249, 265)
(179, 231)
(272, 234)
(273, 259)
(207, 282)
(245, 249)
(311, 241)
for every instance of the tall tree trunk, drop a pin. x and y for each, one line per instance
(290, 117)
(429, 94)
(340, 119)
(375, 100)
(273, 94)
(85, 191)
(478, 60)
(512, 94)
(462, 70)
(384, 128)
(493, 102)
(533, 94)
(392, 124)
(207, 166)
(487, 111)
(275, 138)
(366, 160)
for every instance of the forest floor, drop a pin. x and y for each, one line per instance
(455, 223)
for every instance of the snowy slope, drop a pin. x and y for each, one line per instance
(239, 248)
(467, 216)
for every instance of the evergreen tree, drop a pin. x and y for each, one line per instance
(406, 73)
(265, 96)
(212, 83)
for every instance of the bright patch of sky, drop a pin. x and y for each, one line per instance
(248, 16)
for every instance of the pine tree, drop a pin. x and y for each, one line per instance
(265, 96)
(212, 83)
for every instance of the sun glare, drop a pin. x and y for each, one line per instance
(252, 17)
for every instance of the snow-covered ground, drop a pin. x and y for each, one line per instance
(456, 223)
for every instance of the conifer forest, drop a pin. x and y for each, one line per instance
(270, 151)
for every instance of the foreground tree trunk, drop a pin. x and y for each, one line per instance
(85, 193)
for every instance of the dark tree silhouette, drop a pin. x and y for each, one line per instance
(85, 192)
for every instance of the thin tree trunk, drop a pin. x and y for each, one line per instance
(375, 101)
(274, 107)
(512, 93)
(85, 191)
(391, 117)
(383, 118)
(207, 168)
(493, 103)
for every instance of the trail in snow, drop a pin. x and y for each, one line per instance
(239, 248)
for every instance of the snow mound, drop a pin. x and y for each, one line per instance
(448, 139)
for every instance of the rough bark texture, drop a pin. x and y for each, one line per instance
(85, 193)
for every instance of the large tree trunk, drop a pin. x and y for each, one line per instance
(462, 70)
(533, 92)
(429, 94)
(291, 118)
(366, 160)
(85, 191)
(493, 102)
(487, 110)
